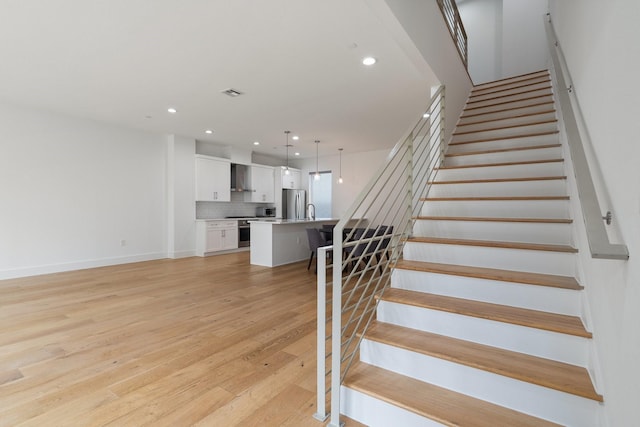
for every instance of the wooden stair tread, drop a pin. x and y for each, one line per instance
(507, 102)
(436, 403)
(495, 244)
(502, 138)
(517, 116)
(522, 277)
(493, 198)
(503, 150)
(532, 369)
(561, 323)
(464, 116)
(505, 96)
(542, 80)
(486, 165)
(493, 180)
(545, 122)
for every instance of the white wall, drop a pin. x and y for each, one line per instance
(599, 43)
(181, 184)
(524, 43)
(482, 20)
(357, 170)
(506, 37)
(422, 22)
(72, 189)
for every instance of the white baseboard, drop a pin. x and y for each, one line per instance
(77, 265)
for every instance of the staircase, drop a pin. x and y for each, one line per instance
(482, 325)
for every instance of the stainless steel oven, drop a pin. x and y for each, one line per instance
(244, 233)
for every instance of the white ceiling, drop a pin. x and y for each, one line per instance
(297, 61)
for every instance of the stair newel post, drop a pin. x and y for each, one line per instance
(336, 331)
(443, 147)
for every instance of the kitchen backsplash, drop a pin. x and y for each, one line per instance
(236, 207)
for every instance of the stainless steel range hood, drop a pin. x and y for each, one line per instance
(240, 178)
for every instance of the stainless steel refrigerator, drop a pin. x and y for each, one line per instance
(294, 204)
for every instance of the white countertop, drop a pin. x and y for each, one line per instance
(283, 221)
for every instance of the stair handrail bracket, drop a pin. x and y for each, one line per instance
(367, 243)
(599, 243)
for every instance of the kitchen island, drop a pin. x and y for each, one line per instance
(282, 241)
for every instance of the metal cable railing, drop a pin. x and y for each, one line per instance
(368, 242)
(451, 16)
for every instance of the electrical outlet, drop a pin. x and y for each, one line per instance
(123, 242)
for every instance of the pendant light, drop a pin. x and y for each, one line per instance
(317, 176)
(340, 179)
(286, 171)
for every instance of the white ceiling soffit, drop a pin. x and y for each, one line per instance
(297, 63)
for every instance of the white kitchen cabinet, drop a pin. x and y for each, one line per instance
(262, 180)
(214, 236)
(292, 180)
(213, 179)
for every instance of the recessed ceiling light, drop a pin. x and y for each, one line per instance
(208, 131)
(295, 137)
(256, 142)
(172, 110)
(296, 153)
(369, 60)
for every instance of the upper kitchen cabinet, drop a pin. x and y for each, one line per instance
(213, 179)
(262, 180)
(292, 180)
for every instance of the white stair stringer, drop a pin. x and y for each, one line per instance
(535, 261)
(522, 339)
(532, 232)
(542, 402)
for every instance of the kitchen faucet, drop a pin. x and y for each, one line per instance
(312, 216)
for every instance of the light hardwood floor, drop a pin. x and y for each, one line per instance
(198, 341)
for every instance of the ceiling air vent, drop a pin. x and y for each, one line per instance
(232, 92)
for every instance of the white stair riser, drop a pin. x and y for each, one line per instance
(507, 99)
(506, 84)
(506, 113)
(505, 157)
(521, 396)
(374, 412)
(532, 297)
(537, 342)
(476, 109)
(499, 144)
(498, 208)
(504, 132)
(534, 261)
(555, 187)
(496, 172)
(504, 91)
(509, 121)
(489, 230)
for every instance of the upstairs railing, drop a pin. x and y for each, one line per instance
(367, 243)
(599, 243)
(451, 16)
